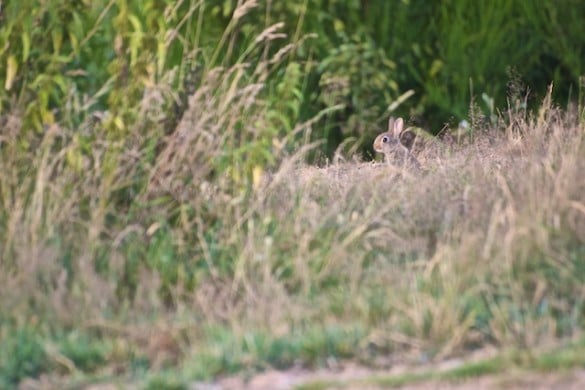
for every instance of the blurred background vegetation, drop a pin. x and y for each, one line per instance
(133, 137)
(361, 55)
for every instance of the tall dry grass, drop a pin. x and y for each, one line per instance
(181, 250)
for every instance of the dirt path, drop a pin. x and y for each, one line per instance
(483, 369)
(356, 379)
(351, 376)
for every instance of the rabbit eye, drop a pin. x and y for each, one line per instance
(385, 139)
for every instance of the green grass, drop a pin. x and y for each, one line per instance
(538, 361)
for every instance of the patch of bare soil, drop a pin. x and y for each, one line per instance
(574, 380)
(356, 378)
(351, 376)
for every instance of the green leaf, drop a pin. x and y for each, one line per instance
(25, 38)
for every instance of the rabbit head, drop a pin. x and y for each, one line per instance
(396, 143)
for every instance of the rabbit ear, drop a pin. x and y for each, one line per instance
(391, 124)
(397, 127)
(407, 138)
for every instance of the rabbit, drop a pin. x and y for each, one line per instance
(396, 145)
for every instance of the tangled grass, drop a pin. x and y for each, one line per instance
(180, 251)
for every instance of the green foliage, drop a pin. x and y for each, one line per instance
(228, 353)
(360, 78)
(22, 355)
(362, 55)
(165, 381)
(85, 353)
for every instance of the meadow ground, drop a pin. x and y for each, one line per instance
(160, 226)
(311, 268)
